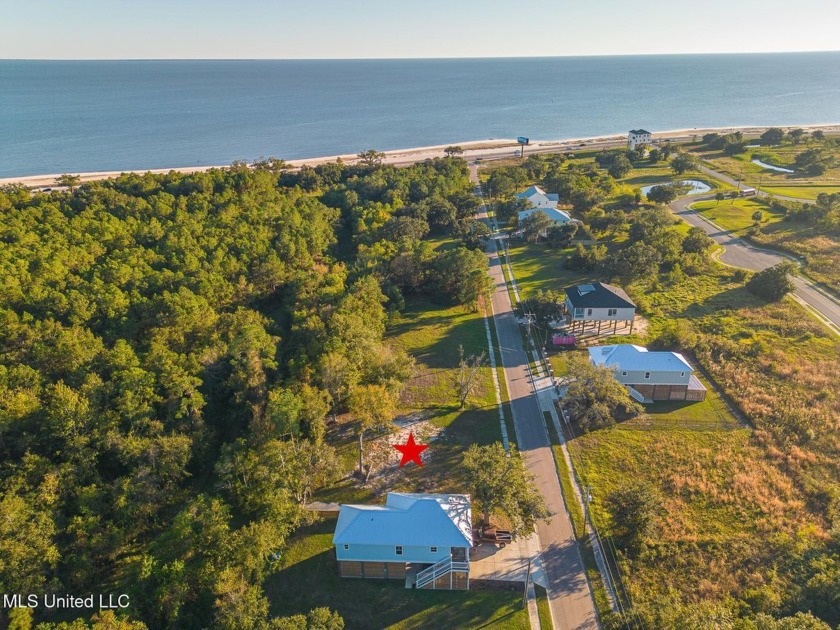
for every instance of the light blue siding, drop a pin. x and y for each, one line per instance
(680, 377)
(388, 553)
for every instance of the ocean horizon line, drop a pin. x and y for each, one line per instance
(103, 115)
(447, 58)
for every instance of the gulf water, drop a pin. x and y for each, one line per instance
(75, 116)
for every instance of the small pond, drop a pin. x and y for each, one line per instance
(695, 187)
(778, 169)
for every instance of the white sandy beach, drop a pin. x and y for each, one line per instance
(473, 149)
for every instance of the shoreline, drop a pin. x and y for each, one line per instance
(473, 150)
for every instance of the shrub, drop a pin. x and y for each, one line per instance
(772, 283)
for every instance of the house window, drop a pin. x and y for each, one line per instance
(589, 311)
(682, 373)
(346, 547)
(624, 373)
(399, 550)
(433, 549)
(612, 312)
(647, 374)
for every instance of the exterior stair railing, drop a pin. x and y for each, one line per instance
(439, 569)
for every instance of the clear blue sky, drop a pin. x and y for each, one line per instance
(146, 29)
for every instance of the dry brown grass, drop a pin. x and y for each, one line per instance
(821, 251)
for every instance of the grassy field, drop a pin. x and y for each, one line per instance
(308, 578)
(821, 251)
(731, 495)
(774, 182)
(803, 191)
(537, 267)
(736, 214)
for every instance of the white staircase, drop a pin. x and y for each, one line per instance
(447, 566)
(635, 393)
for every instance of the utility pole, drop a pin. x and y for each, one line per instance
(527, 579)
(528, 319)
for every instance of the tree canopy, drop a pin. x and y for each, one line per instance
(500, 483)
(595, 397)
(170, 348)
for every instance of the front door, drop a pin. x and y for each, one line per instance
(459, 554)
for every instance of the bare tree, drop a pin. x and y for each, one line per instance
(371, 157)
(466, 378)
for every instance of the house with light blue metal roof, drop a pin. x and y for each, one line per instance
(424, 539)
(650, 375)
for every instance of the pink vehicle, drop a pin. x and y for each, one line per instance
(563, 341)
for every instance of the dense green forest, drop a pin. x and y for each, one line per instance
(171, 349)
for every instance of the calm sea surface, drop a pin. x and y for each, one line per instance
(84, 116)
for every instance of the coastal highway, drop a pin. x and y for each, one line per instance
(480, 150)
(738, 253)
(570, 599)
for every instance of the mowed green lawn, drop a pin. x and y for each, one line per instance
(309, 578)
(736, 214)
(432, 334)
(536, 267)
(803, 192)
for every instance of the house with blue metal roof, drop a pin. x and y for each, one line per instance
(650, 375)
(424, 539)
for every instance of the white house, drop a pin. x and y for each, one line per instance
(650, 376)
(598, 302)
(541, 200)
(424, 539)
(538, 198)
(637, 137)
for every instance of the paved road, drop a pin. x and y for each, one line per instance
(572, 606)
(738, 253)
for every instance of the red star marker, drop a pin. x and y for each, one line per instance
(411, 451)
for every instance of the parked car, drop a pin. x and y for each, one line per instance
(493, 535)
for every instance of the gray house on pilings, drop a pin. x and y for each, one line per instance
(598, 305)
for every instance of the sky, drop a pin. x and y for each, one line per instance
(294, 29)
